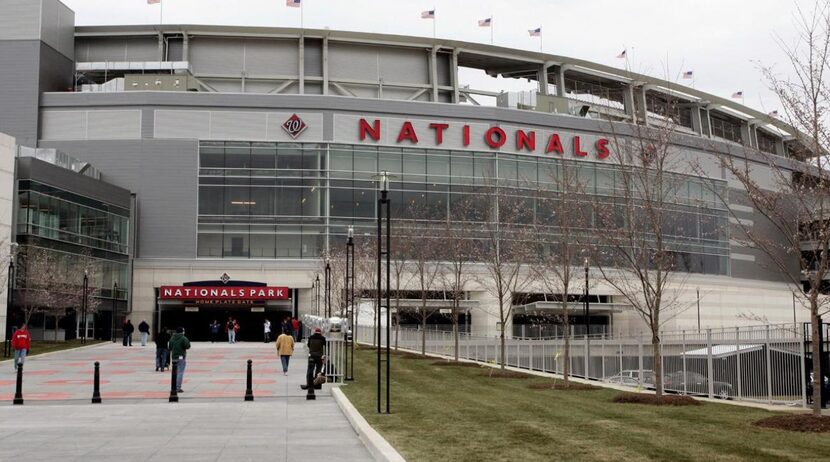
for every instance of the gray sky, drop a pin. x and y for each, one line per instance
(722, 41)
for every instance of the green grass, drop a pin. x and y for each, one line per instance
(40, 347)
(454, 414)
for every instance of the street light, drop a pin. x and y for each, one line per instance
(317, 295)
(10, 297)
(114, 308)
(328, 289)
(587, 302)
(698, 309)
(350, 304)
(84, 303)
(383, 251)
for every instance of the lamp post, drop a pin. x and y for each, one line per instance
(587, 302)
(317, 295)
(114, 309)
(10, 297)
(350, 305)
(328, 289)
(383, 258)
(83, 304)
(697, 289)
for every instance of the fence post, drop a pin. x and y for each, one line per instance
(769, 366)
(604, 344)
(640, 360)
(585, 355)
(620, 354)
(530, 359)
(802, 344)
(683, 355)
(96, 384)
(709, 373)
(738, 359)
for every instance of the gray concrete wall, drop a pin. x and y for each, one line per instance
(19, 71)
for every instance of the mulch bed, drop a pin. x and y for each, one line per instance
(559, 385)
(505, 375)
(455, 364)
(665, 400)
(797, 423)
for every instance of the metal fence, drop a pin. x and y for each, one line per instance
(759, 363)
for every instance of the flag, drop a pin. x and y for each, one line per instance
(428, 14)
(738, 94)
(485, 22)
(621, 55)
(535, 32)
(294, 3)
(688, 75)
(773, 114)
(153, 2)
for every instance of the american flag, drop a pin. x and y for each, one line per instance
(485, 22)
(688, 75)
(294, 3)
(738, 94)
(773, 114)
(428, 14)
(621, 55)
(153, 2)
(535, 32)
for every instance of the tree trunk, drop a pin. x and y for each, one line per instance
(503, 357)
(658, 365)
(567, 355)
(815, 349)
(455, 332)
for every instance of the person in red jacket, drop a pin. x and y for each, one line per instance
(21, 342)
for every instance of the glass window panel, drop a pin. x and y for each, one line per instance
(211, 200)
(290, 157)
(364, 199)
(313, 241)
(290, 201)
(235, 244)
(289, 242)
(341, 197)
(208, 245)
(263, 242)
(508, 170)
(262, 200)
(390, 160)
(237, 200)
(238, 155)
(438, 169)
(461, 169)
(527, 173)
(211, 156)
(263, 156)
(312, 160)
(365, 161)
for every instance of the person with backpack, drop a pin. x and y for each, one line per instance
(144, 331)
(128, 329)
(162, 353)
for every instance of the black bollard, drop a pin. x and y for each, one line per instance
(96, 384)
(18, 391)
(174, 392)
(249, 391)
(312, 366)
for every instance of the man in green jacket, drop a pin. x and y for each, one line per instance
(179, 344)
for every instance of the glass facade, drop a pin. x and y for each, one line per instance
(288, 200)
(71, 224)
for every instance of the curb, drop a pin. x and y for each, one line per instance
(45, 355)
(380, 449)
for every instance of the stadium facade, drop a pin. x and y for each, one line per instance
(248, 152)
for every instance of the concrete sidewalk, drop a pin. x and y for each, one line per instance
(136, 423)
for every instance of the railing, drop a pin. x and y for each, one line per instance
(761, 364)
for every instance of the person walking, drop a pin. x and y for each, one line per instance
(144, 331)
(295, 326)
(21, 343)
(289, 326)
(179, 344)
(316, 351)
(236, 328)
(285, 348)
(267, 330)
(214, 331)
(162, 353)
(230, 331)
(128, 330)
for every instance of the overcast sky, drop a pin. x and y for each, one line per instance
(722, 41)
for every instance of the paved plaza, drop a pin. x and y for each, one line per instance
(136, 423)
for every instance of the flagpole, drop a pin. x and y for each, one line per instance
(492, 26)
(302, 7)
(540, 40)
(433, 21)
(161, 12)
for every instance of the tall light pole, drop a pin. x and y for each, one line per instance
(83, 303)
(114, 309)
(328, 289)
(587, 302)
(10, 298)
(384, 247)
(697, 289)
(350, 304)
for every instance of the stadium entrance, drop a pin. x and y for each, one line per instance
(195, 305)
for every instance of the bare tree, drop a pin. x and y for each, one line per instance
(561, 216)
(638, 250)
(794, 232)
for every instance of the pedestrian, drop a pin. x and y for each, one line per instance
(236, 328)
(21, 343)
(214, 331)
(230, 331)
(128, 329)
(285, 348)
(295, 326)
(316, 351)
(267, 327)
(179, 344)
(144, 331)
(289, 326)
(299, 331)
(162, 353)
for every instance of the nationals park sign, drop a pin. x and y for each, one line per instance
(222, 293)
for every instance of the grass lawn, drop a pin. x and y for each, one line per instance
(44, 346)
(454, 414)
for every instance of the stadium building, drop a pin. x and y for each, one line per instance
(247, 152)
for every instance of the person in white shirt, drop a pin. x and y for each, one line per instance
(267, 326)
